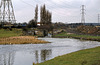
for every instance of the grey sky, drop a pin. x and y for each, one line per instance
(67, 11)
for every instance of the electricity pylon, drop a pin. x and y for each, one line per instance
(98, 18)
(7, 12)
(83, 14)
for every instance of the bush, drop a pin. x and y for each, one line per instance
(87, 29)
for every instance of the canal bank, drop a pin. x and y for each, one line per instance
(14, 36)
(77, 36)
(83, 57)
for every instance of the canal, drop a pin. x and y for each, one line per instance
(36, 53)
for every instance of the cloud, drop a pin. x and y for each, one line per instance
(58, 1)
(62, 10)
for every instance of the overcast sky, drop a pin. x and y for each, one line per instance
(67, 11)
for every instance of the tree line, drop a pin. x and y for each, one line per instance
(45, 17)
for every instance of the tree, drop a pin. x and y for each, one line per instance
(45, 16)
(45, 20)
(49, 18)
(32, 24)
(36, 14)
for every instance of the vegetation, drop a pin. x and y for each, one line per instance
(13, 37)
(45, 16)
(45, 20)
(36, 14)
(21, 40)
(33, 23)
(10, 32)
(59, 25)
(85, 37)
(83, 57)
(88, 30)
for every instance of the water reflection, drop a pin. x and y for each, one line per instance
(43, 55)
(7, 58)
(37, 55)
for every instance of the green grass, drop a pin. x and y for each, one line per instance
(83, 57)
(8, 33)
(64, 34)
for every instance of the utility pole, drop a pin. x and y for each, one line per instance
(7, 12)
(83, 15)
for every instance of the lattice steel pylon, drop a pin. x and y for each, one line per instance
(7, 12)
(98, 18)
(83, 15)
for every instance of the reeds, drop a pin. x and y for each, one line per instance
(21, 40)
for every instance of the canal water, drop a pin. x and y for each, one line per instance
(36, 53)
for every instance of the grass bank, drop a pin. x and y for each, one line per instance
(10, 33)
(83, 37)
(14, 37)
(83, 57)
(21, 40)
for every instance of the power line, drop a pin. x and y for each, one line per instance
(26, 3)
